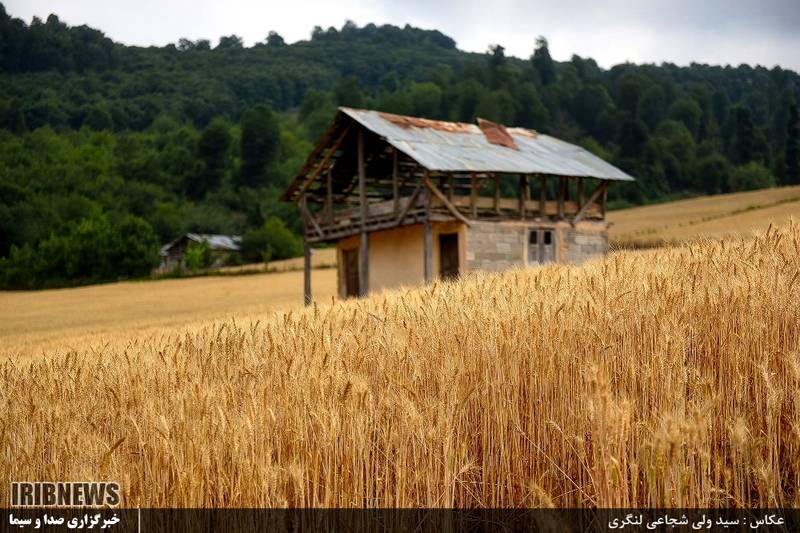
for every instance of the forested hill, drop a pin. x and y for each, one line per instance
(107, 150)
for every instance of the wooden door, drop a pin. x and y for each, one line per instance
(448, 256)
(350, 261)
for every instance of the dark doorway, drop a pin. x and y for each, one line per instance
(350, 260)
(541, 246)
(448, 255)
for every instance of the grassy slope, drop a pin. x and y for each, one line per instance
(709, 216)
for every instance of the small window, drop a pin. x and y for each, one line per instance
(548, 237)
(534, 238)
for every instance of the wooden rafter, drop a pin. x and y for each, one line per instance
(441, 196)
(601, 189)
(410, 203)
(334, 147)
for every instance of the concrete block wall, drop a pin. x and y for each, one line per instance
(495, 246)
(583, 244)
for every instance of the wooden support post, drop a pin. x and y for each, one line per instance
(427, 238)
(306, 272)
(542, 196)
(363, 271)
(329, 198)
(562, 186)
(604, 203)
(496, 194)
(581, 198)
(395, 185)
(523, 194)
(308, 217)
(473, 196)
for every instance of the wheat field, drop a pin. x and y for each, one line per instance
(667, 377)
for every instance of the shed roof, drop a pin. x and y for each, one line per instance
(215, 242)
(460, 147)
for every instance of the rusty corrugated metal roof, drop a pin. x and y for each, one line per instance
(459, 147)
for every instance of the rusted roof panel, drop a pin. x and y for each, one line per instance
(458, 147)
(496, 133)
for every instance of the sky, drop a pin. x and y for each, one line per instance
(765, 32)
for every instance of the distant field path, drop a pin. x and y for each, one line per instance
(62, 319)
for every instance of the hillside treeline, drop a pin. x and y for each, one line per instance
(202, 136)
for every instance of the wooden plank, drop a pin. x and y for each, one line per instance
(473, 194)
(440, 195)
(306, 272)
(593, 198)
(562, 186)
(363, 271)
(511, 205)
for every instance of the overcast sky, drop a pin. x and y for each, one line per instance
(765, 32)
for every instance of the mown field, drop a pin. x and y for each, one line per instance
(667, 377)
(737, 214)
(57, 321)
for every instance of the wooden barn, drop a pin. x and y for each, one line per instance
(409, 199)
(220, 247)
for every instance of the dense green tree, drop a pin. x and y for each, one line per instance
(652, 105)
(348, 93)
(213, 149)
(543, 64)
(748, 142)
(98, 118)
(686, 110)
(712, 174)
(230, 42)
(271, 241)
(198, 256)
(259, 144)
(792, 148)
(275, 40)
(137, 248)
(752, 175)
(425, 99)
